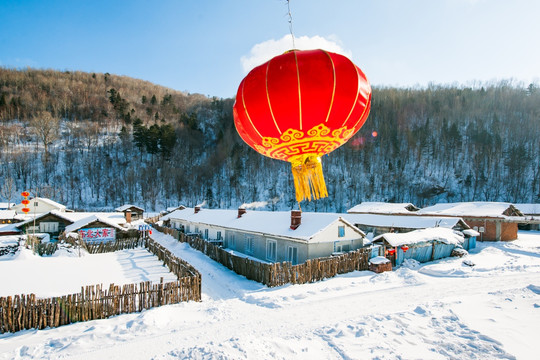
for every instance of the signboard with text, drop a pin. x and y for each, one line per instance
(97, 235)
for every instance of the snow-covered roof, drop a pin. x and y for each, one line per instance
(128, 206)
(8, 228)
(50, 202)
(5, 205)
(471, 232)
(7, 214)
(377, 260)
(444, 235)
(404, 221)
(382, 208)
(469, 209)
(115, 217)
(90, 219)
(528, 209)
(172, 208)
(275, 223)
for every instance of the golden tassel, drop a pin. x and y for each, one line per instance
(308, 177)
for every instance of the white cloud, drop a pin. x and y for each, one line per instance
(262, 52)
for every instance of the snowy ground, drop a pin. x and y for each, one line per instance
(439, 310)
(65, 272)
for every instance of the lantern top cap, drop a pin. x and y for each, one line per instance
(291, 50)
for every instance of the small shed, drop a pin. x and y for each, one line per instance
(131, 212)
(470, 239)
(421, 245)
(380, 264)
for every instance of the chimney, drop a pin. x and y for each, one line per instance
(296, 218)
(241, 211)
(128, 216)
(197, 209)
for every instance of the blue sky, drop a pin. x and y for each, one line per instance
(207, 46)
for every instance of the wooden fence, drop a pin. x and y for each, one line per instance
(277, 274)
(152, 220)
(46, 248)
(95, 302)
(117, 245)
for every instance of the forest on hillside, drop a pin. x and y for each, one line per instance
(97, 141)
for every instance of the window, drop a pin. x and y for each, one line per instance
(248, 245)
(196, 229)
(187, 229)
(232, 241)
(271, 247)
(218, 236)
(206, 234)
(292, 256)
(341, 231)
(48, 227)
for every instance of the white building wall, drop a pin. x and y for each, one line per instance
(322, 245)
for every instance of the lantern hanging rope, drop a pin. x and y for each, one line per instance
(299, 106)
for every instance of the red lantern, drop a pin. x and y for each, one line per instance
(300, 106)
(25, 194)
(25, 210)
(25, 202)
(404, 248)
(391, 251)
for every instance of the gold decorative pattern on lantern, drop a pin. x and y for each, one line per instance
(319, 140)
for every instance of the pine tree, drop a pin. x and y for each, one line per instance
(167, 140)
(139, 134)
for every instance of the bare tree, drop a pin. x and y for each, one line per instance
(7, 190)
(46, 127)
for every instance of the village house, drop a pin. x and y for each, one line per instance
(40, 206)
(55, 222)
(271, 236)
(131, 212)
(495, 221)
(96, 228)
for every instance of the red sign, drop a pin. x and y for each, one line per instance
(98, 235)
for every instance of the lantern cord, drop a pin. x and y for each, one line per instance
(290, 22)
